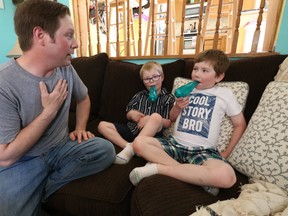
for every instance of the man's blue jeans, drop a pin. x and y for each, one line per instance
(33, 179)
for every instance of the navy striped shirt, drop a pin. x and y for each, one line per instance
(141, 102)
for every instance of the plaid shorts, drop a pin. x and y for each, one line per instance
(183, 154)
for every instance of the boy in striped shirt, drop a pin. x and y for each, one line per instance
(145, 117)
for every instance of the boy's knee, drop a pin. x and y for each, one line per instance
(137, 144)
(231, 179)
(228, 177)
(101, 125)
(156, 116)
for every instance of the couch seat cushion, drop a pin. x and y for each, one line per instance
(106, 193)
(163, 195)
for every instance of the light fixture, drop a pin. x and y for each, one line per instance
(15, 52)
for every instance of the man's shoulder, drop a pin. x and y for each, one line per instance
(6, 66)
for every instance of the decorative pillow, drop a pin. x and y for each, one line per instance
(262, 152)
(282, 74)
(240, 89)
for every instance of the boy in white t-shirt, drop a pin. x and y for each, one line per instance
(190, 154)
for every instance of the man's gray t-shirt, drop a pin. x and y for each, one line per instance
(20, 103)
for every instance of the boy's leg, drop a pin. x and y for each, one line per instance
(110, 132)
(21, 187)
(152, 126)
(70, 160)
(125, 155)
(211, 172)
(152, 151)
(183, 172)
(137, 174)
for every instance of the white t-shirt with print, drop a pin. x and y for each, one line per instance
(199, 123)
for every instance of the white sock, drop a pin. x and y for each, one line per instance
(125, 155)
(148, 163)
(139, 173)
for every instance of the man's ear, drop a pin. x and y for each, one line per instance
(39, 35)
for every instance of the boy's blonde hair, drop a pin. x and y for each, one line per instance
(217, 58)
(152, 65)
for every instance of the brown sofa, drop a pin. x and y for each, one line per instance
(111, 85)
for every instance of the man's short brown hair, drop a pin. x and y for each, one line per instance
(45, 14)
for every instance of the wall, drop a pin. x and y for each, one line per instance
(8, 37)
(7, 33)
(282, 43)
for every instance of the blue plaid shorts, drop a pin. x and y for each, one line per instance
(183, 154)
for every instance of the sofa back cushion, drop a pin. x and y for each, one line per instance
(262, 152)
(282, 74)
(91, 70)
(122, 81)
(257, 72)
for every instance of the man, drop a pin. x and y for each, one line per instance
(37, 154)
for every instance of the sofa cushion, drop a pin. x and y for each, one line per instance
(163, 195)
(250, 70)
(262, 152)
(282, 74)
(106, 193)
(91, 70)
(240, 89)
(122, 81)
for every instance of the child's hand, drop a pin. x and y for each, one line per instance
(182, 102)
(134, 115)
(141, 123)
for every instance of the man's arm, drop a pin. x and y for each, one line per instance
(28, 136)
(82, 115)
